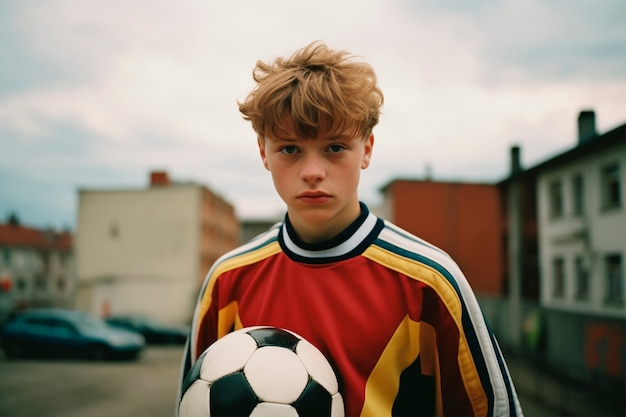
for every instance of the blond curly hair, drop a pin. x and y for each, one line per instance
(316, 87)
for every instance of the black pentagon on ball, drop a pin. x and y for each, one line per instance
(193, 374)
(270, 336)
(231, 395)
(314, 401)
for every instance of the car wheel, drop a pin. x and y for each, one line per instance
(98, 353)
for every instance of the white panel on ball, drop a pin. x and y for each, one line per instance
(276, 375)
(261, 372)
(318, 367)
(274, 410)
(196, 400)
(227, 356)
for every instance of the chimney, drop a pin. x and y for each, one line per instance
(586, 126)
(516, 160)
(159, 178)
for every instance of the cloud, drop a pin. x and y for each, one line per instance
(553, 40)
(97, 94)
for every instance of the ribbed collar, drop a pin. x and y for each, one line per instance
(352, 241)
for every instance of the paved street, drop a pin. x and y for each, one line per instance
(545, 392)
(147, 388)
(66, 388)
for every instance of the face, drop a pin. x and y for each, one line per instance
(317, 178)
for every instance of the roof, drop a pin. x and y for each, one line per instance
(614, 137)
(18, 235)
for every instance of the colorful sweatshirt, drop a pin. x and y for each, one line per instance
(393, 314)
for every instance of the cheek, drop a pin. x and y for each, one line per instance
(282, 183)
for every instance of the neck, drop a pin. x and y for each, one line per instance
(315, 232)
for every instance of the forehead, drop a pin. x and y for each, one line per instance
(327, 128)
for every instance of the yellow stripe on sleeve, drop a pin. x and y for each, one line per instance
(448, 295)
(228, 265)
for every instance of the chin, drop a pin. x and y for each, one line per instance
(315, 213)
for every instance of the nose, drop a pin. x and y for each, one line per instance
(313, 169)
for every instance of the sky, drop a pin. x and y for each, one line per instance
(96, 94)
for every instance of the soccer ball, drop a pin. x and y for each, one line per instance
(261, 371)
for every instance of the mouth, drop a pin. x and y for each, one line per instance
(313, 197)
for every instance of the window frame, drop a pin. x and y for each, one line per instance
(555, 192)
(610, 186)
(582, 278)
(614, 279)
(578, 195)
(558, 277)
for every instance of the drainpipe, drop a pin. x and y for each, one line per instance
(515, 247)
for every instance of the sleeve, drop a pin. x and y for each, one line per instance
(471, 366)
(203, 330)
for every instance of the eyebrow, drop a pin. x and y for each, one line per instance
(340, 136)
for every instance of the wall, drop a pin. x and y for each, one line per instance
(463, 219)
(586, 347)
(220, 230)
(592, 235)
(139, 247)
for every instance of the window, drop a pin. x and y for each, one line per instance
(578, 198)
(114, 231)
(614, 279)
(558, 271)
(6, 256)
(40, 282)
(37, 321)
(45, 259)
(61, 283)
(582, 279)
(21, 284)
(64, 261)
(556, 199)
(19, 259)
(611, 187)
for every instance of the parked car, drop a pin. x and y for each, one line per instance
(67, 333)
(154, 331)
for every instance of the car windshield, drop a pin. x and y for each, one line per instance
(87, 321)
(141, 321)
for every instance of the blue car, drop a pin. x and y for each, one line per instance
(67, 333)
(155, 332)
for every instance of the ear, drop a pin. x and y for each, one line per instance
(368, 146)
(261, 142)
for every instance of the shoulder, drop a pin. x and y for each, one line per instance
(401, 239)
(402, 251)
(405, 245)
(259, 247)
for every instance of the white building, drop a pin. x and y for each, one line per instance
(582, 223)
(146, 251)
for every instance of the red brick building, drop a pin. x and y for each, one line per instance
(463, 219)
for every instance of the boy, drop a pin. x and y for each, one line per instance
(392, 313)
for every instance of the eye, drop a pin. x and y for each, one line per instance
(288, 150)
(335, 148)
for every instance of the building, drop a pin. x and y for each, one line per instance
(559, 231)
(36, 267)
(251, 228)
(463, 219)
(147, 251)
(566, 229)
(582, 223)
